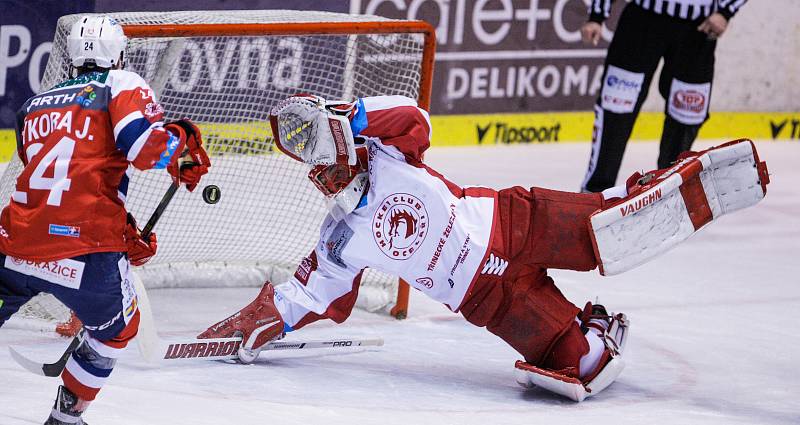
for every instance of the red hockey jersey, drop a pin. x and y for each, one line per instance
(78, 142)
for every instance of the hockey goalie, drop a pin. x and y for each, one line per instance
(481, 252)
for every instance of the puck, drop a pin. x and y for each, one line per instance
(211, 194)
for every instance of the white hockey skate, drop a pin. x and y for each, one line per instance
(611, 365)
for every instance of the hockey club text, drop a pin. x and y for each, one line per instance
(400, 225)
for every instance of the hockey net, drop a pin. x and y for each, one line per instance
(225, 70)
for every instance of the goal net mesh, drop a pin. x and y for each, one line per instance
(269, 214)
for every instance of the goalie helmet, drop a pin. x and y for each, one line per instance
(96, 40)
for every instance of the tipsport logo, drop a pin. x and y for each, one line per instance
(506, 133)
(86, 96)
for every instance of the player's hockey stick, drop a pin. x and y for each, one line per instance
(47, 369)
(162, 205)
(55, 368)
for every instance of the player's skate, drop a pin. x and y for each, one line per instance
(258, 323)
(613, 331)
(67, 409)
(665, 207)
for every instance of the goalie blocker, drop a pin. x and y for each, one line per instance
(665, 207)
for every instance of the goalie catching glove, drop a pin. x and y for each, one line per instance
(140, 251)
(193, 163)
(310, 130)
(258, 323)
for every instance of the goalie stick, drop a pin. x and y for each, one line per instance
(226, 348)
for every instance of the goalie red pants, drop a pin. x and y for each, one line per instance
(514, 298)
(99, 289)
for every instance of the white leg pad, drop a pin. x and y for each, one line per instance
(529, 376)
(683, 199)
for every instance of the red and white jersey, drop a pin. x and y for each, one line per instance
(78, 142)
(412, 223)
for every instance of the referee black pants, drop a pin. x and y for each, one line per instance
(641, 40)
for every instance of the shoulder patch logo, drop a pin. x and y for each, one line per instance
(400, 225)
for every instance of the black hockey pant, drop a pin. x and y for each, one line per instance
(642, 38)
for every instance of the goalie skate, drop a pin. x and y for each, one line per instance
(665, 207)
(612, 364)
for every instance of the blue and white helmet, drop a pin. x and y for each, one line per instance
(97, 40)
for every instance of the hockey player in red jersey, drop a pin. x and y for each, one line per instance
(481, 252)
(65, 230)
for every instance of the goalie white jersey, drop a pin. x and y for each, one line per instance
(411, 223)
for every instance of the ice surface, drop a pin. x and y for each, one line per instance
(713, 336)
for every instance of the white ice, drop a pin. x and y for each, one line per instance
(713, 337)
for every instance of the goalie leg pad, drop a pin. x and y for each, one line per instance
(675, 203)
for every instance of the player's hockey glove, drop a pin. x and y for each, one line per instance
(193, 162)
(258, 323)
(140, 250)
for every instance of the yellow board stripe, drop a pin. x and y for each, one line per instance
(454, 130)
(463, 130)
(8, 144)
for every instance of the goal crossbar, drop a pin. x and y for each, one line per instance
(307, 28)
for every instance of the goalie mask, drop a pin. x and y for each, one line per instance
(342, 185)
